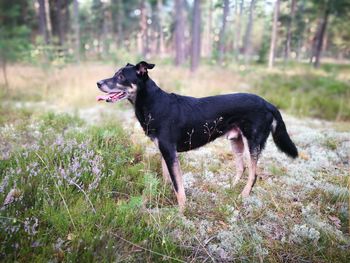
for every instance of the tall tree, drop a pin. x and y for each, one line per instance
(247, 36)
(274, 33)
(160, 16)
(76, 29)
(60, 21)
(43, 22)
(300, 28)
(238, 27)
(144, 29)
(117, 7)
(320, 36)
(221, 47)
(327, 8)
(196, 35)
(179, 33)
(289, 30)
(208, 28)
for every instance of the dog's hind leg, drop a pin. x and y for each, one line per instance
(253, 160)
(172, 162)
(238, 149)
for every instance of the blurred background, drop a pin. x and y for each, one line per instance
(293, 52)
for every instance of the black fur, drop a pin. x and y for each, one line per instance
(182, 123)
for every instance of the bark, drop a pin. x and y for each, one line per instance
(161, 43)
(236, 13)
(314, 42)
(301, 27)
(43, 22)
(143, 28)
(274, 34)
(247, 37)
(76, 29)
(321, 37)
(207, 39)
(196, 35)
(179, 33)
(221, 48)
(60, 21)
(289, 31)
(106, 29)
(120, 18)
(238, 28)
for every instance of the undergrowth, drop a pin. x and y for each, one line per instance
(307, 95)
(77, 193)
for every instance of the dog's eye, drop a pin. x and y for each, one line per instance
(120, 77)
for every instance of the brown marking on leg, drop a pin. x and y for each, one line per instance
(238, 149)
(252, 175)
(165, 172)
(172, 162)
(252, 163)
(180, 193)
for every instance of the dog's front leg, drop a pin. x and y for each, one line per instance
(172, 162)
(165, 171)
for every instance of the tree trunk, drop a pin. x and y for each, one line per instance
(120, 18)
(207, 38)
(238, 28)
(143, 28)
(274, 34)
(234, 20)
(43, 22)
(321, 37)
(76, 29)
(247, 37)
(60, 22)
(196, 35)
(300, 33)
(161, 42)
(221, 48)
(179, 33)
(289, 31)
(4, 72)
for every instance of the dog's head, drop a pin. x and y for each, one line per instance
(124, 83)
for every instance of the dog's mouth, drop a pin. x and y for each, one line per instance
(112, 96)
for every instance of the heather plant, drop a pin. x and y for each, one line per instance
(74, 193)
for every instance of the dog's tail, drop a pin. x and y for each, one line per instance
(280, 135)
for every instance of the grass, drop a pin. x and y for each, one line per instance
(307, 95)
(77, 183)
(78, 194)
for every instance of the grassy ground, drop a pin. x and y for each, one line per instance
(82, 182)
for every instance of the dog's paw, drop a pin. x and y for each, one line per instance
(245, 193)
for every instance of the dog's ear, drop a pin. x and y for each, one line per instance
(142, 67)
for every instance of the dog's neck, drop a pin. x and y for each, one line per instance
(147, 94)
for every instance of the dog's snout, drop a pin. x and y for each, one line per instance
(99, 83)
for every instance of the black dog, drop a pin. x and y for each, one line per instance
(180, 123)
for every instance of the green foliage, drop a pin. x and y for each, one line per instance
(75, 193)
(307, 94)
(15, 30)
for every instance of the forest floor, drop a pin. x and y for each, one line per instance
(85, 183)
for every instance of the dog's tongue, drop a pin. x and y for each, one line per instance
(102, 97)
